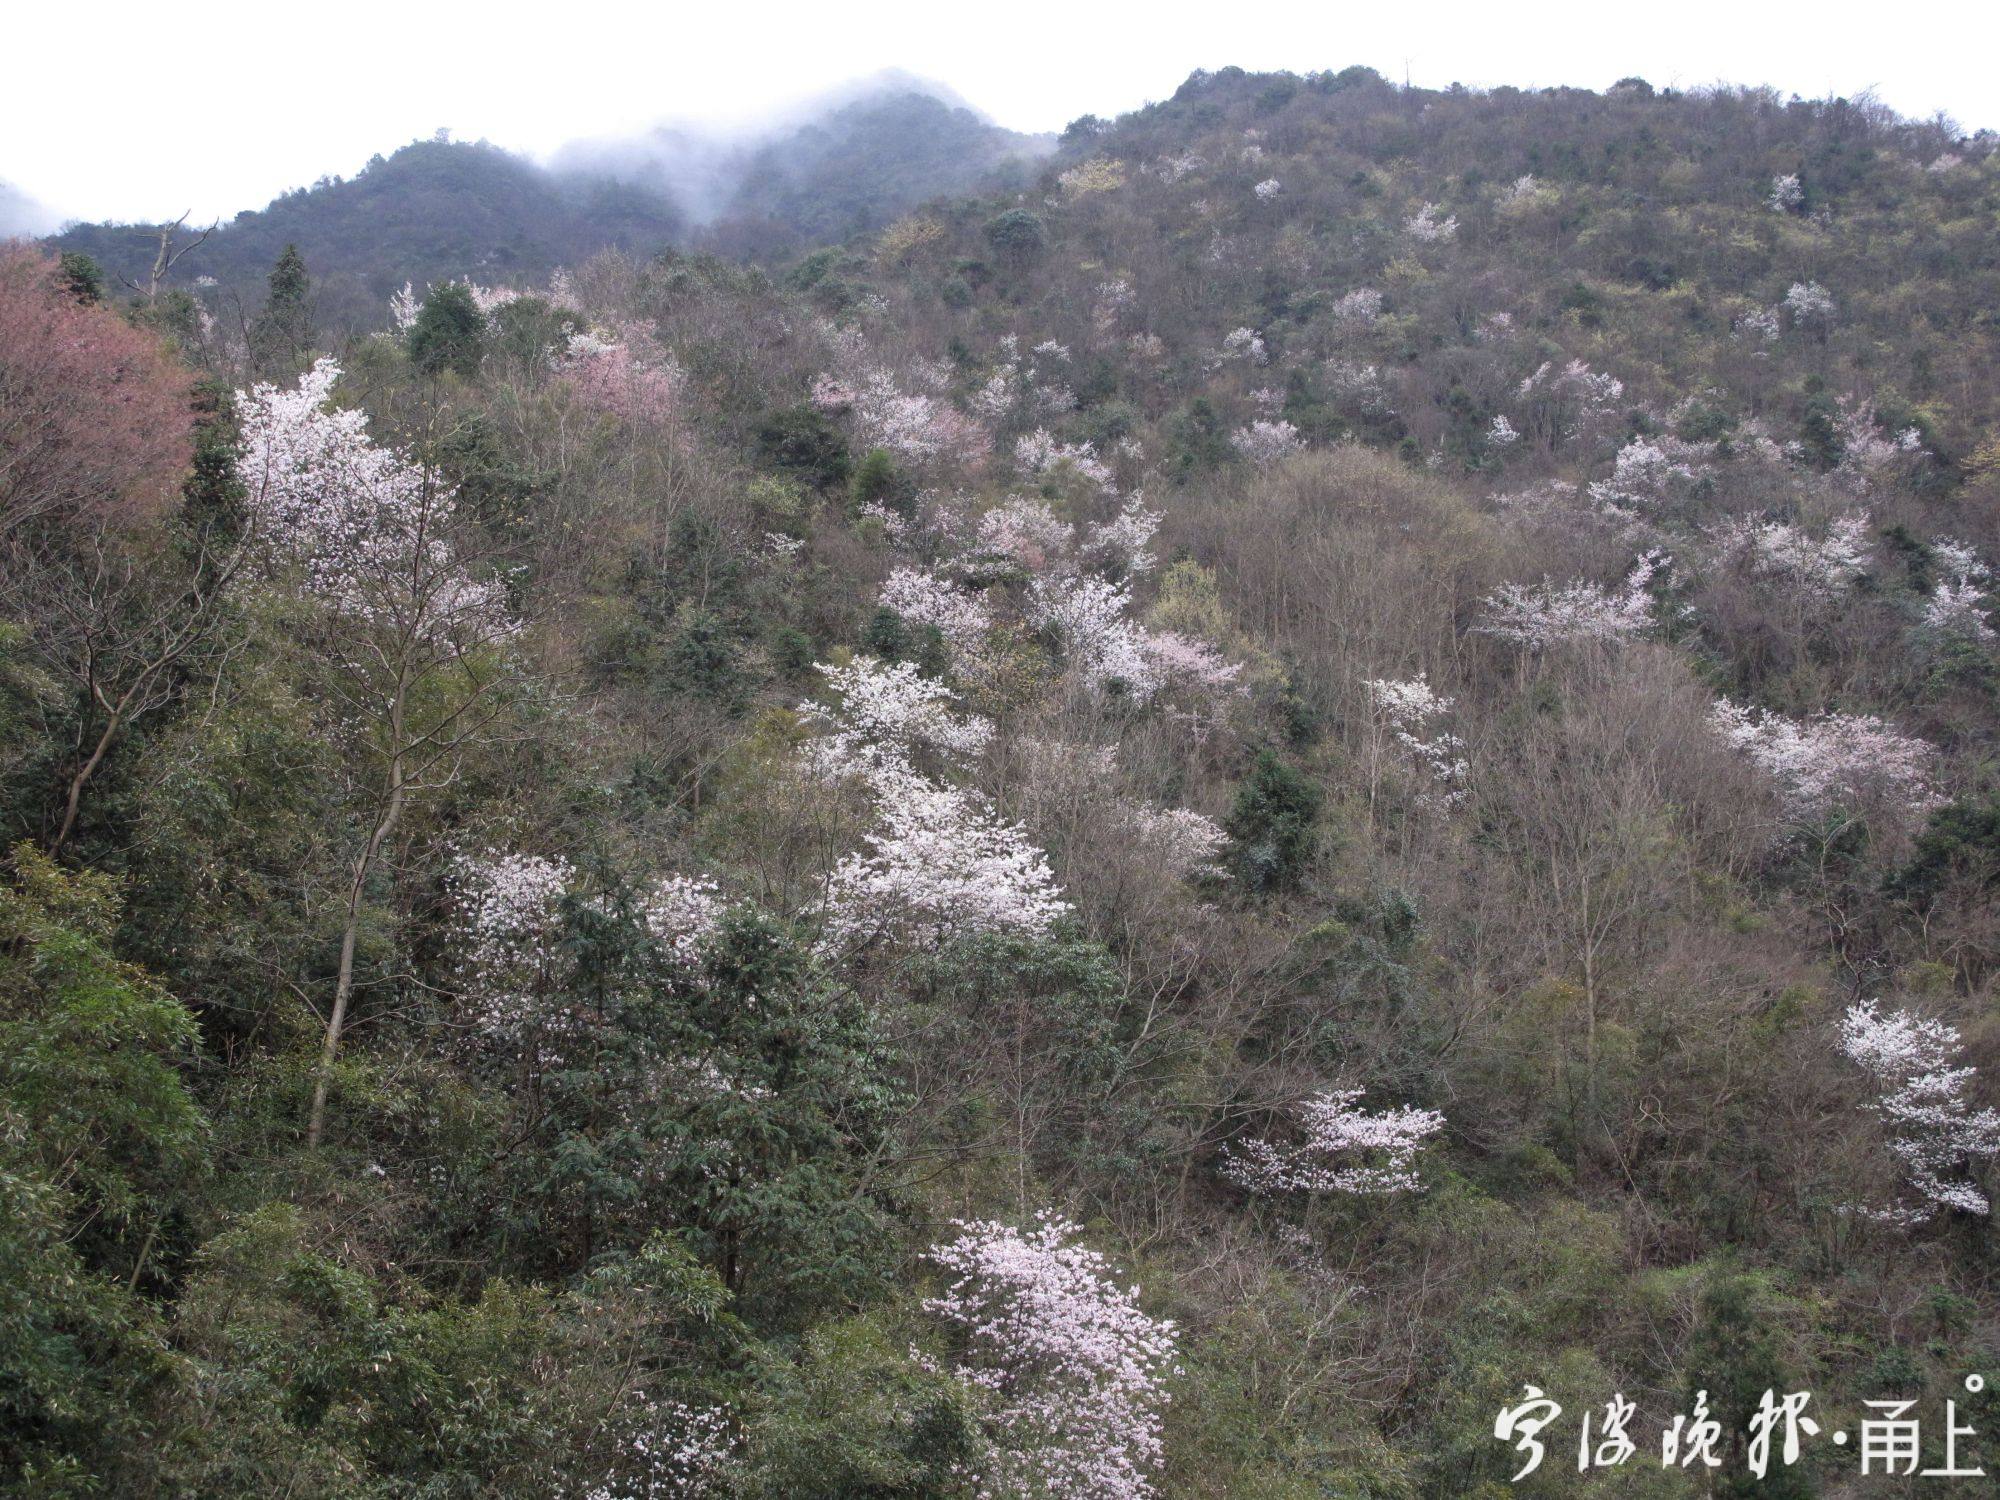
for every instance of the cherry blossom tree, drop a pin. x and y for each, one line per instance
(676, 1451)
(1957, 605)
(957, 613)
(1407, 712)
(1026, 534)
(940, 864)
(1833, 762)
(405, 625)
(1561, 405)
(1548, 614)
(1816, 568)
(1088, 616)
(1341, 1149)
(628, 377)
(884, 718)
(1038, 453)
(682, 913)
(1070, 1373)
(1265, 443)
(1934, 1131)
(1426, 226)
(509, 907)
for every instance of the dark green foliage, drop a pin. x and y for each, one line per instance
(877, 480)
(1958, 849)
(81, 276)
(283, 331)
(1017, 235)
(450, 332)
(1271, 824)
(801, 442)
(1200, 441)
(102, 1149)
(430, 212)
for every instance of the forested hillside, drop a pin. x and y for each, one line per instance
(1157, 834)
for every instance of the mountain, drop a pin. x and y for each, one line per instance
(850, 164)
(1156, 833)
(434, 211)
(439, 210)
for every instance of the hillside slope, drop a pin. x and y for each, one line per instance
(1163, 831)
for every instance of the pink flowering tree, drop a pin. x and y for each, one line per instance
(404, 619)
(1340, 1149)
(627, 376)
(1069, 1373)
(1934, 1133)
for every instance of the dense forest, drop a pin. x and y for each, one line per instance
(1180, 822)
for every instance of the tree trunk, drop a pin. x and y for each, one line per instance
(343, 988)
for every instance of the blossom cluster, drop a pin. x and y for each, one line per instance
(940, 864)
(681, 914)
(920, 425)
(681, 1452)
(1427, 227)
(1070, 1371)
(368, 524)
(885, 717)
(1933, 1128)
(1815, 567)
(1038, 453)
(1957, 605)
(508, 907)
(627, 377)
(1409, 711)
(1342, 1149)
(1264, 443)
(1547, 614)
(1833, 761)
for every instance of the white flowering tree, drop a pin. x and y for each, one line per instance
(1264, 443)
(1816, 568)
(1341, 1148)
(1409, 714)
(508, 908)
(884, 717)
(1833, 763)
(1957, 604)
(1539, 616)
(403, 620)
(1068, 1371)
(940, 864)
(1934, 1132)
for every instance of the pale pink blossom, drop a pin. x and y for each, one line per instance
(1934, 1131)
(1069, 1372)
(1341, 1149)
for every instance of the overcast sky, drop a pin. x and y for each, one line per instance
(221, 106)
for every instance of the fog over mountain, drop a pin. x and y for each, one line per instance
(843, 162)
(21, 214)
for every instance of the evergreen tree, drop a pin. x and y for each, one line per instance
(450, 332)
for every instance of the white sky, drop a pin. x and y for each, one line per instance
(221, 106)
